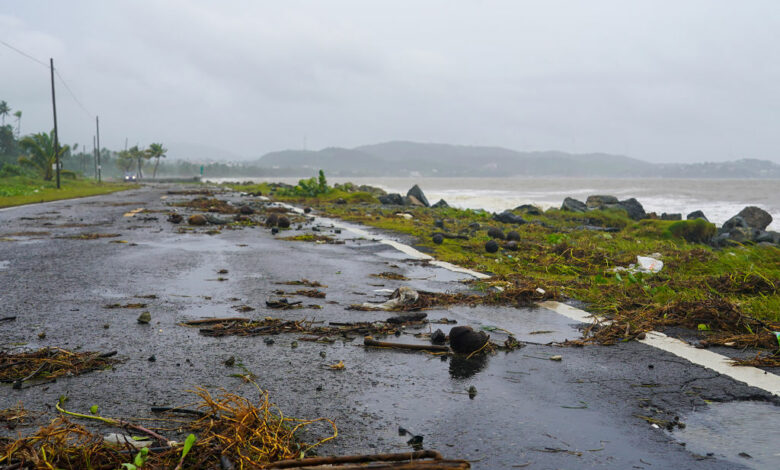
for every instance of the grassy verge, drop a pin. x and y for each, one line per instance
(20, 190)
(730, 295)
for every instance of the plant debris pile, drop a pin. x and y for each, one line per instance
(230, 432)
(275, 326)
(50, 363)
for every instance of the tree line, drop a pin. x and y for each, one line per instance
(34, 154)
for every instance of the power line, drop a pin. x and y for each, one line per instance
(24, 54)
(56, 72)
(72, 95)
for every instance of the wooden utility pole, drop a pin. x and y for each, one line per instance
(99, 166)
(94, 155)
(54, 110)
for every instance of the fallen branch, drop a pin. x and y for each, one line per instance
(369, 341)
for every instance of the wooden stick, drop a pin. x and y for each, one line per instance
(369, 341)
(310, 462)
(211, 321)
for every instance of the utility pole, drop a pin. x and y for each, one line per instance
(54, 109)
(99, 167)
(94, 156)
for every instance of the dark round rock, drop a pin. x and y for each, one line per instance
(341, 200)
(272, 220)
(438, 238)
(246, 210)
(438, 337)
(464, 340)
(306, 210)
(274, 230)
(438, 223)
(511, 245)
(494, 232)
(512, 235)
(491, 246)
(283, 222)
(197, 219)
(474, 226)
(175, 218)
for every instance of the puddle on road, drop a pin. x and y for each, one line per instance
(728, 429)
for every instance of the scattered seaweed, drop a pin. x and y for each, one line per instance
(130, 305)
(92, 236)
(49, 364)
(313, 293)
(231, 431)
(390, 276)
(275, 326)
(312, 238)
(302, 282)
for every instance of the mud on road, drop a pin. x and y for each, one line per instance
(62, 263)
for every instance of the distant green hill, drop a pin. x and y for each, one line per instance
(410, 158)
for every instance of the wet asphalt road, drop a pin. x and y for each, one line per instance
(529, 411)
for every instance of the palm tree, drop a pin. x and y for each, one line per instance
(4, 110)
(156, 151)
(125, 161)
(138, 155)
(18, 115)
(39, 153)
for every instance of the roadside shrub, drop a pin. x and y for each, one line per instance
(694, 231)
(10, 169)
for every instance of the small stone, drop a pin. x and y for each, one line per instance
(513, 235)
(323, 354)
(341, 200)
(268, 341)
(152, 358)
(42, 335)
(283, 222)
(556, 358)
(474, 226)
(197, 219)
(512, 246)
(438, 337)
(491, 246)
(294, 344)
(231, 361)
(494, 232)
(106, 326)
(438, 223)
(175, 218)
(272, 220)
(319, 388)
(274, 230)
(306, 210)
(438, 238)
(246, 210)
(144, 318)
(464, 340)
(472, 392)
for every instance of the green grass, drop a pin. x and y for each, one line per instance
(20, 190)
(579, 263)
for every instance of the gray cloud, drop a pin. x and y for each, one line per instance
(658, 80)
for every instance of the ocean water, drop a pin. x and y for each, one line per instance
(719, 199)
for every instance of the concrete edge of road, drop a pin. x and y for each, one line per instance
(719, 363)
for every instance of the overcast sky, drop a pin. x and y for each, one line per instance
(662, 81)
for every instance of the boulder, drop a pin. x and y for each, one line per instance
(529, 209)
(768, 237)
(491, 246)
(393, 199)
(756, 217)
(696, 215)
(197, 219)
(464, 340)
(438, 238)
(438, 223)
(734, 222)
(418, 194)
(666, 216)
(509, 218)
(283, 222)
(511, 245)
(600, 202)
(246, 210)
(494, 232)
(474, 226)
(573, 205)
(442, 204)
(512, 235)
(413, 201)
(633, 208)
(272, 220)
